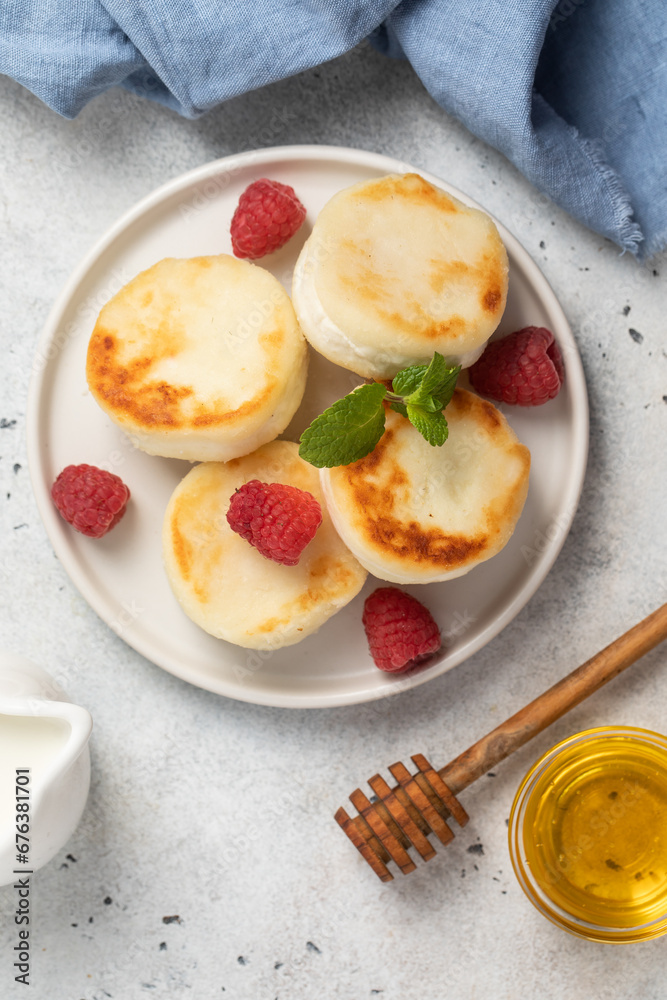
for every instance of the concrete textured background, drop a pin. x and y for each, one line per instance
(207, 862)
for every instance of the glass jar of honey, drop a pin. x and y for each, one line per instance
(588, 834)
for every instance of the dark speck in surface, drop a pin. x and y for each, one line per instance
(17, 466)
(108, 900)
(626, 310)
(172, 920)
(490, 774)
(70, 857)
(476, 849)
(6, 424)
(655, 274)
(543, 245)
(664, 399)
(278, 965)
(241, 960)
(163, 945)
(636, 335)
(612, 864)
(90, 920)
(313, 947)
(613, 795)
(74, 925)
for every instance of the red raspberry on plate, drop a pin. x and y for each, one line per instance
(525, 368)
(267, 216)
(401, 632)
(279, 520)
(90, 499)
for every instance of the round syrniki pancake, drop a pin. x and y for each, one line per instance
(414, 513)
(396, 269)
(199, 358)
(225, 585)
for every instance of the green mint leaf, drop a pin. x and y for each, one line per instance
(434, 375)
(445, 390)
(438, 382)
(431, 426)
(400, 408)
(346, 431)
(409, 379)
(431, 404)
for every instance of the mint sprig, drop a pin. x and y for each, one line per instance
(350, 429)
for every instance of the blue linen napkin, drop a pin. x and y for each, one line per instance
(573, 92)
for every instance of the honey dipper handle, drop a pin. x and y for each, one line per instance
(568, 692)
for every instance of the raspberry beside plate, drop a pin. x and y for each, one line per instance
(92, 500)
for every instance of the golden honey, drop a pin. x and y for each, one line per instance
(588, 834)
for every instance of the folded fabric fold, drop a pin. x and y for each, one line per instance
(573, 92)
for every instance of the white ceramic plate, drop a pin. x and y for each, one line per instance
(121, 575)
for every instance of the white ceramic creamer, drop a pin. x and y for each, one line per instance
(44, 766)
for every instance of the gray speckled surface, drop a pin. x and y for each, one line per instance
(220, 812)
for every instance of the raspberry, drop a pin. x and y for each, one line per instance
(278, 520)
(525, 368)
(267, 216)
(90, 499)
(401, 632)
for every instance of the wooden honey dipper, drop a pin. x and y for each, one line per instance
(402, 817)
